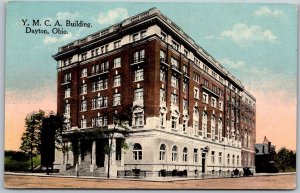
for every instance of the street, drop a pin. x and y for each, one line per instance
(256, 182)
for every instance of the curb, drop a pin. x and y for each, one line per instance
(140, 179)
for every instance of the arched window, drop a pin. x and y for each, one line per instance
(174, 153)
(185, 154)
(228, 159)
(233, 159)
(238, 160)
(137, 152)
(162, 152)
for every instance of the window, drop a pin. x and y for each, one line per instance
(162, 75)
(174, 122)
(99, 102)
(117, 62)
(139, 56)
(139, 94)
(106, 48)
(205, 98)
(143, 34)
(196, 111)
(83, 56)
(117, 99)
(174, 81)
(65, 62)
(67, 77)
(185, 87)
(162, 55)
(138, 119)
(105, 66)
(97, 51)
(83, 123)
(162, 119)
(196, 93)
(205, 83)
(84, 73)
(213, 102)
(228, 159)
(117, 80)
(175, 45)
(173, 99)
(162, 152)
(94, 122)
(220, 129)
(213, 125)
(184, 125)
(212, 157)
(184, 154)
(196, 127)
(101, 121)
(162, 95)
(67, 108)
(163, 36)
(174, 62)
(95, 69)
(221, 106)
(204, 124)
(135, 37)
(196, 77)
(233, 159)
(137, 152)
(185, 69)
(117, 44)
(83, 106)
(93, 53)
(174, 153)
(195, 155)
(185, 53)
(220, 158)
(185, 104)
(139, 75)
(238, 160)
(67, 92)
(205, 68)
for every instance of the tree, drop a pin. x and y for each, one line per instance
(121, 126)
(51, 137)
(285, 159)
(31, 139)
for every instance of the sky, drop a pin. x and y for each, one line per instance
(257, 43)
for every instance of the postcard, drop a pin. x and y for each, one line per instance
(150, 95)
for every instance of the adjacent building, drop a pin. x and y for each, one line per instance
(193, 116)
(265, 157)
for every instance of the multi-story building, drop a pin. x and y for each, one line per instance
(192, 115)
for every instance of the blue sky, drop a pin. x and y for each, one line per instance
(256, 42)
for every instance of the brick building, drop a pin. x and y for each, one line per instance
(193, 115)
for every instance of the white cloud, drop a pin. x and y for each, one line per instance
(65, 37)
(265, 11)
(242, 34)
(232, 64)
(112, 16)
(66, 15)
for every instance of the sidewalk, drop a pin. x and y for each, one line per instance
(150, 179)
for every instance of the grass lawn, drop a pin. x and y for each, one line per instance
(20, 165)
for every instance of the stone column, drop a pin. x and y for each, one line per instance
(63, 163)
(93, 165)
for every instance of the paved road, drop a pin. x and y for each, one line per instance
(256, 182)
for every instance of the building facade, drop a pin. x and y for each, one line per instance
(192, 115)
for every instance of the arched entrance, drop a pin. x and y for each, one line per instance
(204, 151)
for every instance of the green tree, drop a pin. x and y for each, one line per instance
(285, 159)
(51, 138)
(31, 138)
